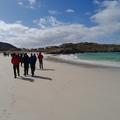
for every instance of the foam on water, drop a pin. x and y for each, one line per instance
(74, 58)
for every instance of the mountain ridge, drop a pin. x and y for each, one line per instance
(7, 46)
(71, 48)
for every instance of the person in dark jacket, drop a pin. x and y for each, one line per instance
(25, 60)
(32, 63)
(40, 58)
(15, 61)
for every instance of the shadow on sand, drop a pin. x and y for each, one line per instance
(32, 79)
(46, 69)
(26, 79)
(41, 77)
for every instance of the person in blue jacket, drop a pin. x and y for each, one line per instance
(32, 61)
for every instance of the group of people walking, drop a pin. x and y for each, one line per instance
(26, 61)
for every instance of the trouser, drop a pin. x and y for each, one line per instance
(32, 69)
(26, 68)
(41, 64)
(16, 70)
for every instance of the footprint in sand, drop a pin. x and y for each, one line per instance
(5, 114)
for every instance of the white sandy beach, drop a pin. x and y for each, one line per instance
(59, 92)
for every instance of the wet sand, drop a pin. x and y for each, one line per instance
(59, 92)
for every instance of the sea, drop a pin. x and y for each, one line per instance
(111, 59)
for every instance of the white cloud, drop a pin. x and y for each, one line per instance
(55, 32)
(53, 12)
(23, 36)
(108, 21)
(109, 13)
(19, 22)
(32, 4)
(48, 21)
(70, 11)
(20, 3)
(96, 1)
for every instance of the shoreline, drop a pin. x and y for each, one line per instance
(82, 63)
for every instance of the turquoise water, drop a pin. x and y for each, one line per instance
(112, 56)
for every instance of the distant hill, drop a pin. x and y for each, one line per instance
(6, 46)
(70, 48)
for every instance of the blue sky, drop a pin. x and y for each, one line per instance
(39, 23)
(11, 11)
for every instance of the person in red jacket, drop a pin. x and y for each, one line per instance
(40, 58)
(15, 61)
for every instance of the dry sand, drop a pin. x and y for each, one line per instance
(60, 92)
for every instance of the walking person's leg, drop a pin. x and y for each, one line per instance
(42, 64)
(18, 70)
(25, 70)
(39, 64)
(14, 69)
(32, 69)
(32, 72)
